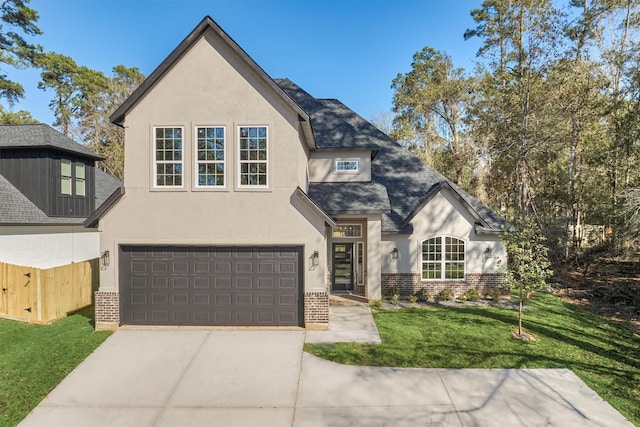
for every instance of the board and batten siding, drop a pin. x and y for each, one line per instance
(43, 188)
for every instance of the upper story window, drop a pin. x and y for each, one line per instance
(346, 166)
(252, 158)
(210, 157)
(347, 230)
(72, 178)
(443, 258)
(65, 176)
(80, 179)
(168, 146)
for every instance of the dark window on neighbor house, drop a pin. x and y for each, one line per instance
(80, 179)
(65, 176)
(72, 178)
(168, 148)
(253, 149)
(443, 258)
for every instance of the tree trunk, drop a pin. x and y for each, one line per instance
(520, 314)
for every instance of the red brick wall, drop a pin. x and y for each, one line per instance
(107, 307)
(409, 283)
(316, 307)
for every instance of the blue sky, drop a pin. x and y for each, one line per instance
(349, 49)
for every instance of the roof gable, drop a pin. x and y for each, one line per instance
(198, 32)
(40, 135)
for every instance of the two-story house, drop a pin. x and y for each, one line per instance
(48, 187)
(247, 201)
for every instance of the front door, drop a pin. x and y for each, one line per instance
(342, 267)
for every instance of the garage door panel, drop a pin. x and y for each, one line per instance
(286, 283)
(223, 267)
(180, 282)
(159, 282)
(211, 285)
(180, 299)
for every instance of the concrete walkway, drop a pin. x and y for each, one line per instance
(347, 323)
(262, 378)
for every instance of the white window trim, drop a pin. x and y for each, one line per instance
(239, 162)
(157, 162)
(443, 260)
(342, 161)
(359, 263)
(197, 162)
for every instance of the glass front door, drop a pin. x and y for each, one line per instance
(342, 266)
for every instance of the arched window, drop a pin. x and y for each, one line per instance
(443, 258)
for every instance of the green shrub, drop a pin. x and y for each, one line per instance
(471, 295)
(393, 290)
(422, 294)
(376, 303)
(445, 295)
(493, 293)
(413, 299)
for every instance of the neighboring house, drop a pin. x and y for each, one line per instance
(48, 187)
(247, 201)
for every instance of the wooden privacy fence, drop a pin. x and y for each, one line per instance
(43, 295)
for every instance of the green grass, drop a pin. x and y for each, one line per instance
(604, 355)
(35, 358)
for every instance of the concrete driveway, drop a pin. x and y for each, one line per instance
(262, 378)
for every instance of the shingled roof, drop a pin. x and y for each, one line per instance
(40, 135)
(16, 208)
(403, 179)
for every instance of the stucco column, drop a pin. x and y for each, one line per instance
(374, 257)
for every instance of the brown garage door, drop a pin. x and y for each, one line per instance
(226, 286)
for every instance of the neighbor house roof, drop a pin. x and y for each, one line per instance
(401, 183)
(41, 135)
(17, 209)
(208, 23)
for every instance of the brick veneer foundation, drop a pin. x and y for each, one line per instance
(409, 283)
(107, 308)
(316, 310)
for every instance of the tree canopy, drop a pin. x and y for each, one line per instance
(546, 127)
(17, 23)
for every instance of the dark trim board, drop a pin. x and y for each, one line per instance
(211, 285)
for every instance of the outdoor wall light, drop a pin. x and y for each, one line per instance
(104, 259)
(394, 254)
(315, 259)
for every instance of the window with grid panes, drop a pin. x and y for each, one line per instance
(443, 258)
(252, 158)
(168, 146)
(210, 156)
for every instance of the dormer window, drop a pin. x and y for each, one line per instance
(80, 179)
(346, 166)
(66, 178)
(72, 178)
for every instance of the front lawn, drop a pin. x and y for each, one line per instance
(35, 358)
(604, 355)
